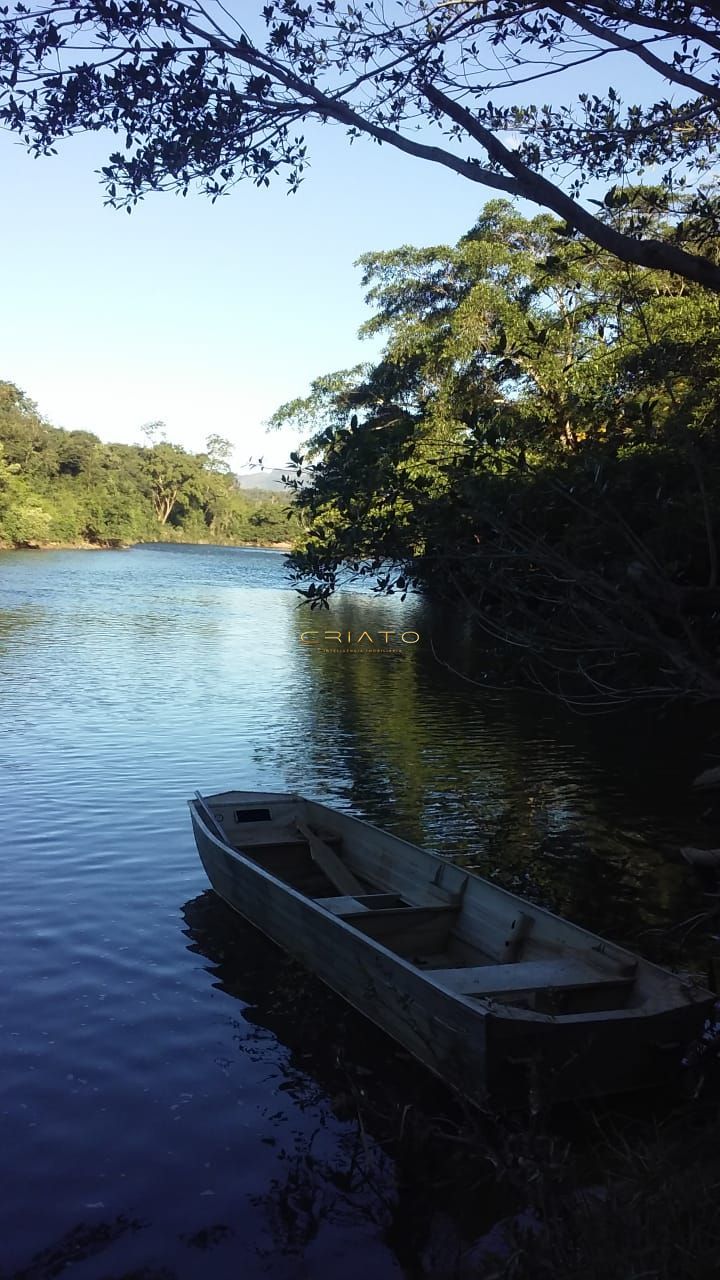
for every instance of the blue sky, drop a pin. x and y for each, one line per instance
(208, 317)
(205, 316)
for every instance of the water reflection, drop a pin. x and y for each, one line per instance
(367, 1149)
(554, 809)
(80, 1244)
(217, 1096)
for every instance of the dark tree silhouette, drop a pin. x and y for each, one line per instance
(199, 95)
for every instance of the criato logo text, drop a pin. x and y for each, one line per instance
(375, 639)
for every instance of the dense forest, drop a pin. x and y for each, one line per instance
(537, 445)
(60, 486)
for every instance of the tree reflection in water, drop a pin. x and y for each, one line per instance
(583, 815)
(81, 1243)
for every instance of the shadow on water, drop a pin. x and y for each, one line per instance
(81, 1244)
(444, 1185)
(370, 1144)
(397, 1161)
(584, 816)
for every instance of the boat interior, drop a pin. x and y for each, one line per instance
(464, 933)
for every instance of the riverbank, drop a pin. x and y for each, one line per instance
(118, 545)
(62, 546)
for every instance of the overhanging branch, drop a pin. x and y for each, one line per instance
(655, 254)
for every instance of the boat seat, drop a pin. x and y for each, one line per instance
(341, 905)
(347, 905)
(400, 914)
(525, 976)
(268, 835)
(408, 931)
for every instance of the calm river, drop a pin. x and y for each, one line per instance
(177, 1100)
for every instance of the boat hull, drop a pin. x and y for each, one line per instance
(487, 1053)
(438, 1030)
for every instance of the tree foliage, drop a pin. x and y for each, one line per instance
(537, 444)
(197, 93)
(67, 486)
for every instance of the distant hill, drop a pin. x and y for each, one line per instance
(270, 478)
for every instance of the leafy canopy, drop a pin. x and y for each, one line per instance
(538, 445)
(197, 93)
(67, 486)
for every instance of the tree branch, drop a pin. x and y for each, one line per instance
(326, 105)
(667, 70)
(655, 254)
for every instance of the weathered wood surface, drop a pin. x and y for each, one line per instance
(520, 930)
(441, 1032)
(407, 929)
(464, 931)
(527, 976)
(487, 913)
(342, 905)
(331, 864)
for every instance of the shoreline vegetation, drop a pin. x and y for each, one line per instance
(64, 490)
(537, 446)
(117, 545)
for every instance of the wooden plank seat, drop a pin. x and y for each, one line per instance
(526, 976)
(341, 905)
(393, 914)
(271, 836)
(409, 931)
(344, 905)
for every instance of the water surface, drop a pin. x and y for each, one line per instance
(177, 1099)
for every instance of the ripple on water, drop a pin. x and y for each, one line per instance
(165, 1101)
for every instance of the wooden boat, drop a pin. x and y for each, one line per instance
(493, 994)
